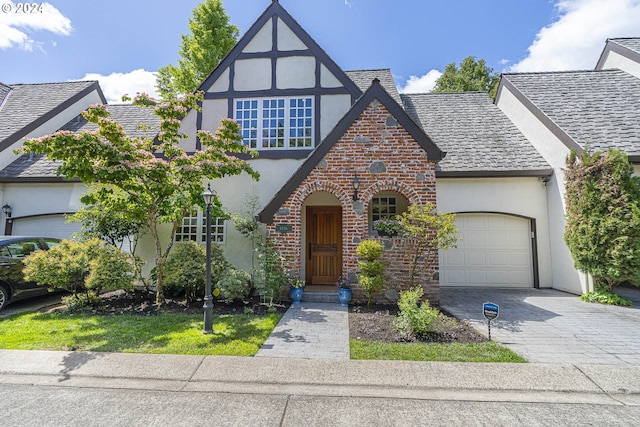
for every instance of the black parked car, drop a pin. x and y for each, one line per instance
(13, 249)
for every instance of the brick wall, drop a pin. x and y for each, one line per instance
(386, 158)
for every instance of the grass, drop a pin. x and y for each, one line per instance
(238, 335)
(454, 352)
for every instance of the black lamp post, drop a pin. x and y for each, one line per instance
(208, 197)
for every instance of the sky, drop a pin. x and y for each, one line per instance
(122, 43)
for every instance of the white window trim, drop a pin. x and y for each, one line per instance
(200, 225)
(287, 111)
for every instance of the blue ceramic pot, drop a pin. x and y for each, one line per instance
(296, 294)
(344, 295)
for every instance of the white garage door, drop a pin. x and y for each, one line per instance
(493, 251)
(45, 226)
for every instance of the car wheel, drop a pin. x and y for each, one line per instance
(4, 297)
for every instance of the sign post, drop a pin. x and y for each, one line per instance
(490, 312)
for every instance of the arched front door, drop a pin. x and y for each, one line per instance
(324, 245)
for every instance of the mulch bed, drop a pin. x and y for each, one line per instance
(375, 323)
(371, 323)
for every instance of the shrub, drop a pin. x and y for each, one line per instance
(371, 285)
(369, 249)
(74, 266)
(415, 318)
(185, 269)
(271, 274)
(605, 297)
(371, 268)
(112, 269)
(233, 284)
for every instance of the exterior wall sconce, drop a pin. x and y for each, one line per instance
(545, 180)
(356, 185)
(6, 209)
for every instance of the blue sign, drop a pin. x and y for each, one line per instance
(490, 310)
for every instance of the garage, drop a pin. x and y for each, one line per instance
(44, 226)
(494, 250)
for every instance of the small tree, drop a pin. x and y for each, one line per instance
(371, 277)
(155, 175)
(427, 231)
(603, 217)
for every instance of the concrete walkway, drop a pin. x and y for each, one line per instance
(310, 331)
(549, 326)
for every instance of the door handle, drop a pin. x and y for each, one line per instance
(309, 251)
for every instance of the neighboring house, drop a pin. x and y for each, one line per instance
(576, 110)
(320, 130)
(30, 111)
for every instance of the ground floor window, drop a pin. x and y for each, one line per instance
(194, 229)
(386, 205)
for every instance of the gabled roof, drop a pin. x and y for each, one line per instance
(28, 106)
(628, 47)
(478, 138)
(276, 10)
(594, 109)
(36, 168)
(363, 79)
(376, 91)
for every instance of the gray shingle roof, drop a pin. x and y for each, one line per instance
(4, 91)
(631, 43)
(363, 79)
(29, 103)
(598, 109)
(478, 138)
(38, 168)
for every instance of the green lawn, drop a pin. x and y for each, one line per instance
(238, 335)
(475, 352)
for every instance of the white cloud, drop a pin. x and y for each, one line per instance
(16, 28)
(421, 84)
(117, 84)
(576, 39)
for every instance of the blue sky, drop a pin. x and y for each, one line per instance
(121, 43)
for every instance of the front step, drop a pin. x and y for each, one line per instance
(320, 297)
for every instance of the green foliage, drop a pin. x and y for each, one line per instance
(211, 38)
(185, 269)
(112, 269)
(416, 317)
(427, 231)
(389, 226)
(371, 278)
(233, 284)
(369, 249)
(472, 76)
(271, 275)
(371, 268)
(153, 178)
(606, 297)
(603, 216)
(89, 266)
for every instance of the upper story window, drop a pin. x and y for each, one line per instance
(276, 123)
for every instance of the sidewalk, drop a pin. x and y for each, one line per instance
(478, 382)
(310, 331)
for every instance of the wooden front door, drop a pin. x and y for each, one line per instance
(324, 245)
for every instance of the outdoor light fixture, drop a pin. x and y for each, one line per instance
(208, 196)
(6, 209)
(356, 185)
(545, 180)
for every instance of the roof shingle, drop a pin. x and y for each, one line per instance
(478, 138)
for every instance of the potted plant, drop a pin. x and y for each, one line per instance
(387, 227)
(296, 289)
(344, 290)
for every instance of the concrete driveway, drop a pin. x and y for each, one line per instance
(549, 326)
